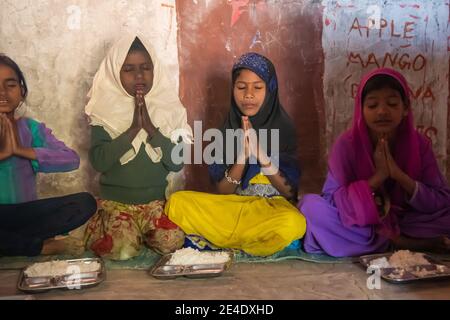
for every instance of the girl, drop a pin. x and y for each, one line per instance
(253, 212)
(133, 112)
(384, 188)
(26, 148)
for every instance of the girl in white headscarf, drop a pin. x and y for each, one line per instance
(134, 113)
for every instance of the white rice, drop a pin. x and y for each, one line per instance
(190, 256)
(60, 268)
(380, 263)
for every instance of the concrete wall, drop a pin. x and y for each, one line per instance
(59, 45)
(320, 49)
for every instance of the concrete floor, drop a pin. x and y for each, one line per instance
(282, 280)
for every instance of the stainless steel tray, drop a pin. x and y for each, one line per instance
(436, 270)
(70, 281)
(162, 270)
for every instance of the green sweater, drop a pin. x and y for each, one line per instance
(140, 181)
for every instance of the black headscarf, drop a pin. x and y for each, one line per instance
(271, 116)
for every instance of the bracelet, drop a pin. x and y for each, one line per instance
(380, 204)
(230, 180)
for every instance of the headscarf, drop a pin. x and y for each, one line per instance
(271, 116)
(406, 152)
(112, 108)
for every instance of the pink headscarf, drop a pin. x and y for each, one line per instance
(406, 152)
(360, 165)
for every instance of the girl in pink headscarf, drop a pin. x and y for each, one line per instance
(384, 189)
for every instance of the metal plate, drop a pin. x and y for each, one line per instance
(70, 281)
(162, 270)
(436, 270)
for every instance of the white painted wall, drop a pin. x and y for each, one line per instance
(59, 45)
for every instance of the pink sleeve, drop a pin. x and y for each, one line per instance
(356, 205)
(352, 197)
(433, 193)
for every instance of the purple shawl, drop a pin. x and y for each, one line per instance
(351, 164)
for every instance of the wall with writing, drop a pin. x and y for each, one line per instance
(411, 37)
(320, 49)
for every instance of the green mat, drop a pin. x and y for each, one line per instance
(148, 258)
(293, 254)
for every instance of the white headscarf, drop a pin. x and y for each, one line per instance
(112, 108)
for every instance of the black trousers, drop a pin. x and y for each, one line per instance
(25, 226)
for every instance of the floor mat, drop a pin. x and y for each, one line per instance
(148, 258)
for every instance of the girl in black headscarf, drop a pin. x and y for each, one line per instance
(270, 116)
(256, 180)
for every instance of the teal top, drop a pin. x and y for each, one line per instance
(18, 175)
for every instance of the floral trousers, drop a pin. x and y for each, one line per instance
(118, 231)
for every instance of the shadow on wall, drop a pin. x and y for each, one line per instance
(91, 177)
(81, 129)
(213, 115)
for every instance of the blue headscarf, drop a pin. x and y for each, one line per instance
(271, 116)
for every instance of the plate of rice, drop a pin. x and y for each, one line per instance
(406, 266)
(62, 274)
(192, 263)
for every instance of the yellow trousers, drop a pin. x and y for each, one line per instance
(257, 225)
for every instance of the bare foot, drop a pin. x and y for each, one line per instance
(52, 246)
(69, 245)
(438, 245)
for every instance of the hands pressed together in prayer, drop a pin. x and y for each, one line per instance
(251, 147)
(10, 143)
(141, 118)
(386, 167)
